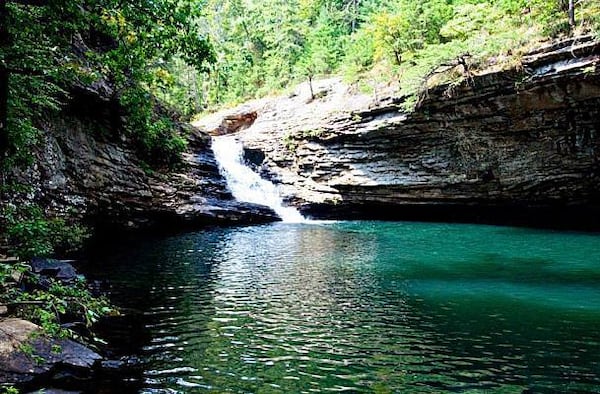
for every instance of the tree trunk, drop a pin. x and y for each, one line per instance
(197, 92)
(4, 43)
(354, 16)
(218, 92)
(572, 14)
(312, 93)
(398, 57)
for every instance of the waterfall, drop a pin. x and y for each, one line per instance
(245, 184)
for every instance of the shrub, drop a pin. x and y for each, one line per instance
(32, 234)
(156, 135)
(51, 307)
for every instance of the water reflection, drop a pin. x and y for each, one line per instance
(363, 307)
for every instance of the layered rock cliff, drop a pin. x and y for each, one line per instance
(84, 170)
(515, 145)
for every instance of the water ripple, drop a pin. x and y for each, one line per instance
(368, 307)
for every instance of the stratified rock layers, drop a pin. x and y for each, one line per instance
(84, 171)
(513, 143)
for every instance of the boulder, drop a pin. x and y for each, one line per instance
(234, 123)
(27, 354)
(61, 270)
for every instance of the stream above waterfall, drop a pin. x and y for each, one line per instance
(358, 307)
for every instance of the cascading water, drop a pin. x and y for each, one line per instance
(245, 184)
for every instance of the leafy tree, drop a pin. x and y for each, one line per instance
(408, 27)
(50, 45)
(257, 43)
(324, 45)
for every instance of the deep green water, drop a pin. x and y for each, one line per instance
(361, 307)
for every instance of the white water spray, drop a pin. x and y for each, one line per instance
(245, 184)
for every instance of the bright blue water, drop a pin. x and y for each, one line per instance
(362, 307)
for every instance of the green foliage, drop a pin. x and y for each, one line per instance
(408, 27)
(313, 133)
(439, 33)
(469, 19)
(179, 86)
(33, 234)
(7, 270)
(49, 308)
(266, 46)
(9, 390)
(588, 14)
(290, 143)
(27, 350)
(359, 55)
(324, 45)
(62, 300)
(62, 43)
(157, 136)
(263, 47)
(160, 142)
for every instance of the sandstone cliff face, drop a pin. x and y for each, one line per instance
(512, 143)
(83, 171)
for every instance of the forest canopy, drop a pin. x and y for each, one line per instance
(194, 55)
(264, 46)
(49, 46)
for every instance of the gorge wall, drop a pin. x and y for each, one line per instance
(515, 145)
(84, 170)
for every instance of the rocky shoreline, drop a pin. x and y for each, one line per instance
(32, 356)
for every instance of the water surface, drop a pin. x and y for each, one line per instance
(361, 307)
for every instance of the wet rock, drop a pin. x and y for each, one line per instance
(118, 366)
(26, 354)
(254, 157)
(57, 269)
(113, 365)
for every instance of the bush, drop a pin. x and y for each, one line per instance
(9, 390)
(52, 306)
(32, 234)
(156, 135)
(62, 303)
